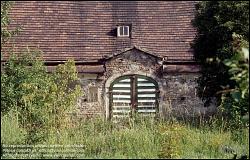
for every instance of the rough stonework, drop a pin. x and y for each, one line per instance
(178, 95)
(86, 108)
(132, 61)
(181, 99)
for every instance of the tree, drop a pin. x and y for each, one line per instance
(217, 23)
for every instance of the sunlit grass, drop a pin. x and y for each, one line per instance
(142, 139)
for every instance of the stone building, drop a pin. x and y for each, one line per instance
(130, 55)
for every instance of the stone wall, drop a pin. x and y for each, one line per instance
(178, 95)
(132, 61)
(87, 107)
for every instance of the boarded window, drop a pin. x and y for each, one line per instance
(93, 94)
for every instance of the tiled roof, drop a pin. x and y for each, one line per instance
(86, 30)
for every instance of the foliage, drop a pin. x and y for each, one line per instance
(223, 28)
(41, 99)
(236, 103)
(239, 71)
(216, 21)
(5, 21)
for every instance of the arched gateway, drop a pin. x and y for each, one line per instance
(133, 94)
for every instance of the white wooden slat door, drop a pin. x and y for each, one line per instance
(121, 98)
(146, 96)
(134, 92)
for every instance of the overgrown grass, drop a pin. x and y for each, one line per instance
(11, 133)
(140, 139)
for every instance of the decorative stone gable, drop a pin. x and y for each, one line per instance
(133, 61)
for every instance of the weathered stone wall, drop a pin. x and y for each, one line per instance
(178, 95)
(85, 107)
(132, 61)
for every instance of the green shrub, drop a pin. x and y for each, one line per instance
(42, 99)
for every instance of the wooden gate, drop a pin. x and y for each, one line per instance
(133, 94)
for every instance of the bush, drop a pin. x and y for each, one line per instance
(223, 29)
(42, 99)
(236, 102)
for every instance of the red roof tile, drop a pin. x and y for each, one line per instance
(85, 30)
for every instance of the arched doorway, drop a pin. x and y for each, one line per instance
(133, 94)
